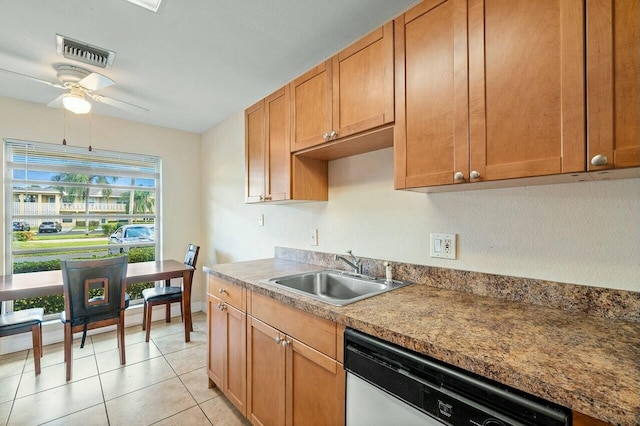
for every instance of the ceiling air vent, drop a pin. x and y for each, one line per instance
(83, 52)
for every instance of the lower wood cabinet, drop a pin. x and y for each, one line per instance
(227, 327)
(289, 382)
(278, 365)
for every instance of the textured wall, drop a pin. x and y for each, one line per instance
(582, 233)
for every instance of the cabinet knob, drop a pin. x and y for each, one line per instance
(458, 176)
(326, 137)
(284, 343)
(267, 198)
(262, 198)
(222, 290)
(333, 134)
(474, 174)
(279, 340)
(599, 160)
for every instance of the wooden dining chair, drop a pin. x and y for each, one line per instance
(24, 321)
(94, 296)
(167, 294)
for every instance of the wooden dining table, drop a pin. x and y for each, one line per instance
(34, 284)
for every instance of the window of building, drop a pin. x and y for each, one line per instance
(73, 201)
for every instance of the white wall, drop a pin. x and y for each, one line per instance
(180, 153)
(583, 233)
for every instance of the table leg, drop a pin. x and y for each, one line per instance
(187, 277)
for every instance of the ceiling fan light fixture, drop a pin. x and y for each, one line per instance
(76, 104)
(152, 5)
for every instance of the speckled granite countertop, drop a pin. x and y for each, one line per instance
(588, 364)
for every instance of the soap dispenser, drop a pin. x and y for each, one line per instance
(387, 270)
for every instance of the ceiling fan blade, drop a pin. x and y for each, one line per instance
(48, 83)
(118, 104)
(95, 81)
(57, 102)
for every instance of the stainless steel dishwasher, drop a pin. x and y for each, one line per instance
(390, 385)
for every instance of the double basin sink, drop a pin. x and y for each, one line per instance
(335, 287)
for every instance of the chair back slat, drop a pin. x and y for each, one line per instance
(107, 277)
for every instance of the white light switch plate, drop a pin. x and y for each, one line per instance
(443, 246)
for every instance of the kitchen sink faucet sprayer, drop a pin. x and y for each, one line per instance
(354, 262)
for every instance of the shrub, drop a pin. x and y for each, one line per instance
(142, 254)
(44, 265)
(109, 228)
(23, 236)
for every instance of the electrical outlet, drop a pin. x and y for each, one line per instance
(313, 237)
(443, 246)
(260, 219)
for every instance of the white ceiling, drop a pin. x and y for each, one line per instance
(193, 63)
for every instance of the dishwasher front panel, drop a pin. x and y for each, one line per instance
(367, 405)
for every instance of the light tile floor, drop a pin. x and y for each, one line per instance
(164, 382)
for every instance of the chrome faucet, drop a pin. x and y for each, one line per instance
(354, 262)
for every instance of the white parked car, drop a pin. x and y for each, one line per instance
(132, 236)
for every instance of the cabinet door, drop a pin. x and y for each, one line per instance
(526, 88)
(431, 131)
(311, 107)
(265, 374)
(216, 320)
(235, 378)
(613, 83)
(278, 177)
(363, 84)
(315, 387)
(254, 153)
(227, 349)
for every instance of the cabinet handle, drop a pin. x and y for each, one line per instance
(474, 174)
(333, 134)
(285, 343)
(326, 137)
(262, 198)
(279, 340)
(458, 176)
(599, 160)
(222, 290)
(267, 197)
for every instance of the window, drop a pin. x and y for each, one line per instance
(76, 203)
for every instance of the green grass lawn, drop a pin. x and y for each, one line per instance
(39, 244)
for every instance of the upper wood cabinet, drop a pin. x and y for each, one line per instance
(272, 174)
(431, 136)
(613, 84)
(255, 152)
(523, 114)
(526, 88)
(347, 94)
(267, 152)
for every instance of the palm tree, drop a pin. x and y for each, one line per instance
(142, 201)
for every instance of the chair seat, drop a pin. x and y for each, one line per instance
(20, 319)
(157, 294)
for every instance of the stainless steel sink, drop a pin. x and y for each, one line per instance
(334, 287)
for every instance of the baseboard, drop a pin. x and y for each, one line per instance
(52, 331)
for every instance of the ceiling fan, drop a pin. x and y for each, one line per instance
(80, 84)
